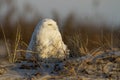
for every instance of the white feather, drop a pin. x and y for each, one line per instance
(47, 41)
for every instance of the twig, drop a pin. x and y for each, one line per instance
(8, 51)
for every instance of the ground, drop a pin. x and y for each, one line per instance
(102, 66)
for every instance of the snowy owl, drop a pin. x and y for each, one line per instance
(47, 42)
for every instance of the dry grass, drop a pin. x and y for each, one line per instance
(82, 38)
(77, 44)
(7, 47)
(12, 55)
(17, 41)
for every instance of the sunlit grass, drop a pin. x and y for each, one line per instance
(6, 44)
(82, 39)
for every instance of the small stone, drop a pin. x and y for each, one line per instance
(2, 70)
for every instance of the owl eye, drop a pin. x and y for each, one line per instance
(49, 24)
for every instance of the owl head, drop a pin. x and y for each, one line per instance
(49, 24)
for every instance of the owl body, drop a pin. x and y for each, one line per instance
(47, 42)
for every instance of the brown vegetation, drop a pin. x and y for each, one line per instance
(81, 37)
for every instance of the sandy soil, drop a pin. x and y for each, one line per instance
(104, 66)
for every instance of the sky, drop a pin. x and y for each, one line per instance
(99, 10)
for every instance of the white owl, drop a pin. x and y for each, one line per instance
(47, 42)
